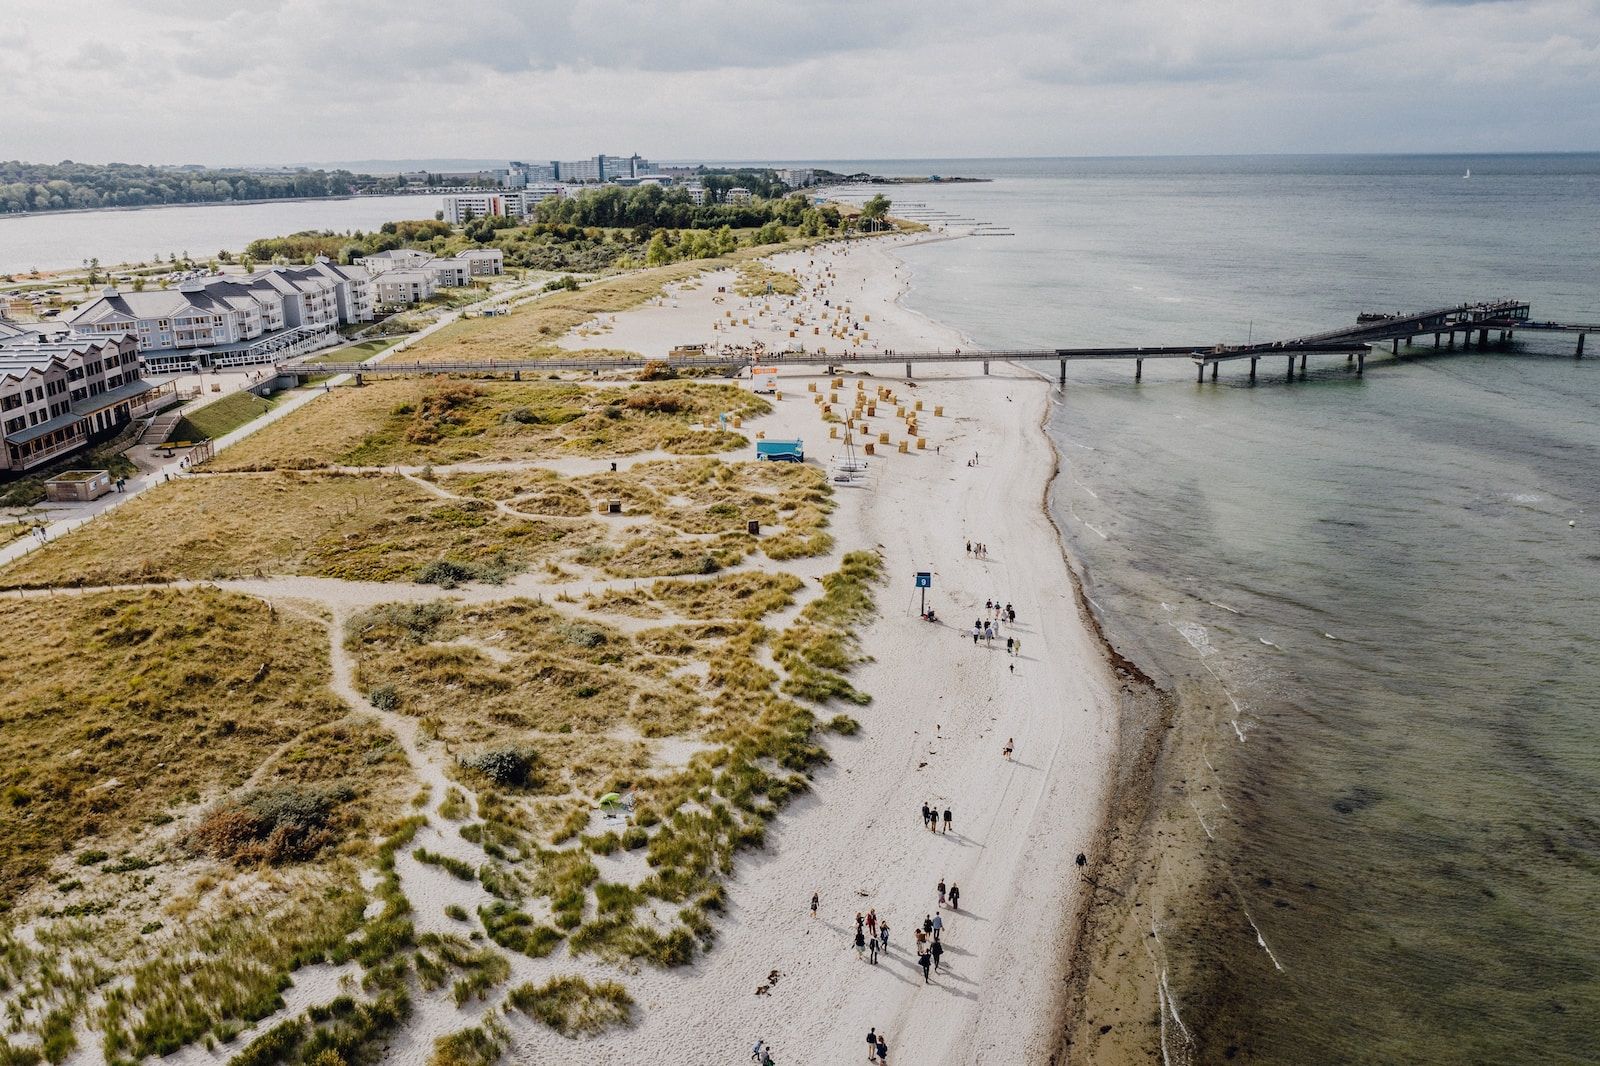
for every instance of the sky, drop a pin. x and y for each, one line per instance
(298, 81)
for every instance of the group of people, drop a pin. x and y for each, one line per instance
(977, 549)
(872, 935)
(930, 818)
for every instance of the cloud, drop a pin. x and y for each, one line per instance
(232, 81)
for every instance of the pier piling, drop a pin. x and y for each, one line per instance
(1361, 364)
(1199, 373)
(986, 366)
(1063, 371)
(1580, 344)
(1214, 367)
(1138, 364)
(1394, 346)
(1291, 368)
(908, 370)
(1252, 370)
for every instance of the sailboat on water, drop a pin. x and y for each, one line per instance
(1467, 175)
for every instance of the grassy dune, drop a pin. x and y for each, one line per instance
(424, 420)
(120, 708)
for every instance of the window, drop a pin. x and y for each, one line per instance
(10, 402)
(16, 425)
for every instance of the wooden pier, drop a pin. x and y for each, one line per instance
(1494, 322)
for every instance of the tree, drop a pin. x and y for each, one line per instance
(658, 254)
(438, 216)
(875, 209)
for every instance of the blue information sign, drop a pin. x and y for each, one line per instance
(924, 579)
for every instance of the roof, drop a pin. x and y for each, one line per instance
(36, 354)
(126, 391)
(481, 253)
(23, 436)
(409, 277)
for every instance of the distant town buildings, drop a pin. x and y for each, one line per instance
(232, 320)
(738, 195)
(797, 177)
(513, 203)
(60, 390)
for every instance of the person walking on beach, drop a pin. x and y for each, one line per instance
(927, 924)
(814, 902)
(1017, 648)
(947, 819)
(883, 933)
(933, 822)
(872, 1045)
(872, 924)
(955, 897)
(1010, 747)
(988, 607)
(872, 948)
(925, 961)
(941, 892)
(1009, 644)
(759, 1050)
(861, 943)
(883, 1050)
(977, 630)
(926, 814)
(938, 926)
(937, 951)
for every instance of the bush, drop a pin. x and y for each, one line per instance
(384, 698)
(272, 826)
(510, 767)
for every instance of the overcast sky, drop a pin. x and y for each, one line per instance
(279, 81)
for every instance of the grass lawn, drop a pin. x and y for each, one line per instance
(421, 420)
(357, 353)
(222, 417)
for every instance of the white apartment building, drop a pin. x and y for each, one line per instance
(738, 195)
(484, 261)
(797, 177)
(231, 320)
(696, 191)
(399, 288)
(398, 259)
(60, 389)
(512, 203)
(450, 273)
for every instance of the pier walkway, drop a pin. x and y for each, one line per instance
(1500, 319)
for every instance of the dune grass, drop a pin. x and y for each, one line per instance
(357, 527)
(420, 421)
(122, 708)
(572, 1006)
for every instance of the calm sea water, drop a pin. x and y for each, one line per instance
(65, 239)
(1412, 818)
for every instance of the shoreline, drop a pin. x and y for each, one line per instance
(936, 725)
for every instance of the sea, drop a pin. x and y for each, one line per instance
(1375, 829)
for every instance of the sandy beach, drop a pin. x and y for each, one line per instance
(943, 710)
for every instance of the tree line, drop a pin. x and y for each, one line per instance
(66, 185)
